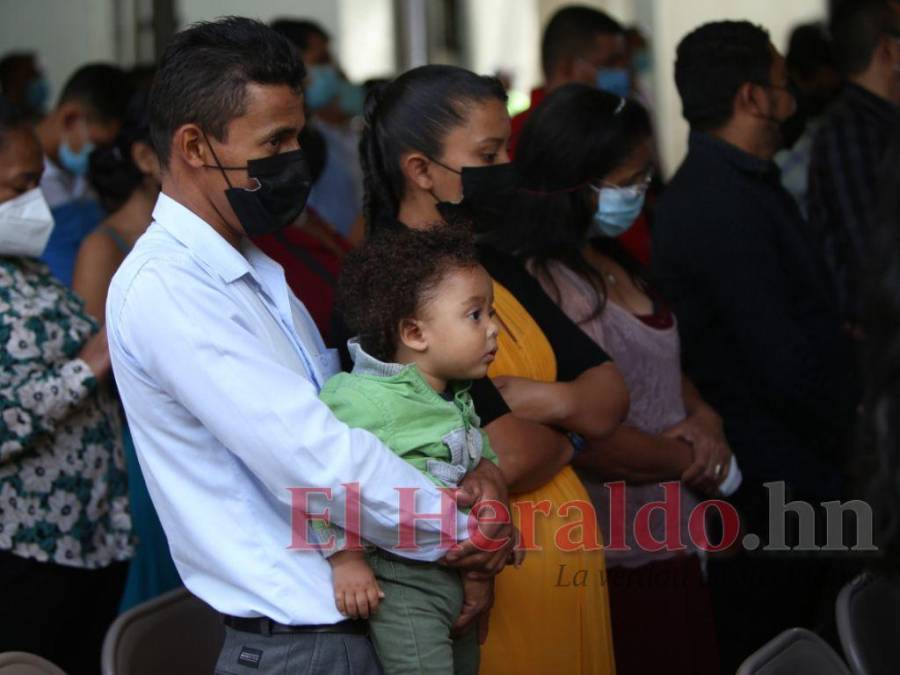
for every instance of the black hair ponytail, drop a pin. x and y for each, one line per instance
(414, 112)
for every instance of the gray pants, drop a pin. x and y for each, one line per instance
(297, 654)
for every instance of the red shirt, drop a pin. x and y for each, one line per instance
(314, 284)
(518, 122)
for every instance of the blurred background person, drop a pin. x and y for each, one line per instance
(65, 528)
(88, 115)
(849, 147)
(23, 84)
(816, 82)
(126, 179)
(333, 104)
(309, 250)
(760, 333)
(587, 156)
(580, 44)
(879, 440)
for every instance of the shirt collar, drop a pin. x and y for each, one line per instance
(744, 161)
(201, 239)
(366, 364)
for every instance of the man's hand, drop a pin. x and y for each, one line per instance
(478, 598)
(356, 591)
(712, 454)
(490, 547)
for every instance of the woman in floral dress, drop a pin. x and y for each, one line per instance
(65, 529)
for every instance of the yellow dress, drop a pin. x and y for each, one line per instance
(550, 616)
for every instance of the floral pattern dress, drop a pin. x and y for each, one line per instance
(63, 484)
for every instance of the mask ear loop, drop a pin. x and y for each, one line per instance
(218, 165)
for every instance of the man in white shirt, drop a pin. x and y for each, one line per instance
(219, 367)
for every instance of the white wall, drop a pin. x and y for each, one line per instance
(361, 30)
(673, 19)
(65, 33)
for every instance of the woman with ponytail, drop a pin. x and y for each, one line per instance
(433, 151)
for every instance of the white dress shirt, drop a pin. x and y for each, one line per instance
(219, 365)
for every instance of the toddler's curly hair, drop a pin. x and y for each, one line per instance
(393, 276)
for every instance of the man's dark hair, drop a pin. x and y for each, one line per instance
(105, 89)
(299, 31)
(809, 50)
(204, 73)
(713, 62)
(393, 275)
(571, 31)
(11, 118)
(857, 27)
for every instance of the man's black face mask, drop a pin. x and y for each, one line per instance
(283, 183)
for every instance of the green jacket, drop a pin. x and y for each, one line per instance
(441, 438)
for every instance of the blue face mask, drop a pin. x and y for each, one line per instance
(75, 162)
(36, 93)
(322, 87)
(352, 99)
(643, 62)
(617, 209)
(614, 80)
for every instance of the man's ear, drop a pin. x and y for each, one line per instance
(412, 335)
(190, 145)
(747, 100)
(416, 168)
(69, 114)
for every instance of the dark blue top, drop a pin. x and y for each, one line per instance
(760, 334)
(73, 222)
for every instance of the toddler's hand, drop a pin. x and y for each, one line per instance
(356, 591)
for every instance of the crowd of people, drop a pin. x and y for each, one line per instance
(256, 319)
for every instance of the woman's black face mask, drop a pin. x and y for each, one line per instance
(283, 185)
(487, 192)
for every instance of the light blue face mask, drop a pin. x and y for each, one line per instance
(614, 80)
(617, 209)
(75, 162)
(322, 86)
(37, 91)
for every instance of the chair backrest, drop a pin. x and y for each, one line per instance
(868, 621)
(20, 663)
(796, 651)
(176, 634)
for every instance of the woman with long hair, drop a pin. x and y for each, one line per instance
(434, 150)
(585, 160)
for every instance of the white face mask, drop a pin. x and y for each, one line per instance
(25, 225)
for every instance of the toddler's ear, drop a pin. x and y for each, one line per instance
(413, 336)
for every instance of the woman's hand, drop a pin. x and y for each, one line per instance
(711, 453)
(95, 354)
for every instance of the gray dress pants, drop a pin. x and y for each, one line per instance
(297, 654)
